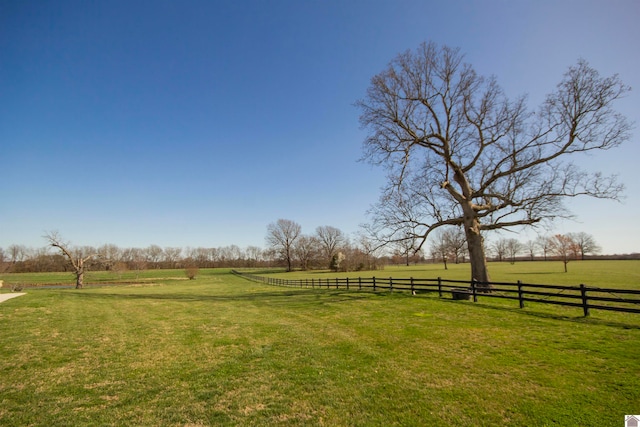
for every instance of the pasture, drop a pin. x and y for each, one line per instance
(221, 350)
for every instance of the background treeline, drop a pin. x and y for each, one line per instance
(109, 257)
(327, 248)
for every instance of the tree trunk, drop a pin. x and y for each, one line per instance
(475, 243)
(79, 279)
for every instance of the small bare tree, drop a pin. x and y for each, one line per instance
(76, 257)
(514, 247)
(562, 246)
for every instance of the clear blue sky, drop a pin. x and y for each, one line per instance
(197, 123)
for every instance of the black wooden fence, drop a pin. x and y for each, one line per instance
(582, 296)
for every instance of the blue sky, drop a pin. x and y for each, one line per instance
(197, 123)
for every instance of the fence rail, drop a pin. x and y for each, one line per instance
(582, 296)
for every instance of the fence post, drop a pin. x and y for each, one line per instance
(347, 283)
(374, 283)
(473, 290)
(337, 287)
(359, 283)
(390, 284)
(413, 289)
(440, 287)
(520, 294)
(585, 301)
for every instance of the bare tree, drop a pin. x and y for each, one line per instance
(305, 249)
(405, 248)
(456, 241)
(171, 256)
(531, 248)
(329, 238)
(154, 255)
(440, 248)
(17, 253)
(109, 255)
(460, 153)
(254, 255)
(281, 235)
(562, 246)
(544, 243)
(514, 247)
(585, 243)
(499, 248)
(76, 257)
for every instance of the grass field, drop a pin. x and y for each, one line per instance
(221, 350)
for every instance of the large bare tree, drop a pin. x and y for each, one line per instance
(330, 239)
(281, 236)
(585, 243)
(459, 152)
(76, 256)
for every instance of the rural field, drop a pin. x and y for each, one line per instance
(157, 349)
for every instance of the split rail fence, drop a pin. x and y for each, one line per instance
(582, 296)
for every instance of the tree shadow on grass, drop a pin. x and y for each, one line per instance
(273, 298)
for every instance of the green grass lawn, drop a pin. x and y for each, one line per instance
(221, 350)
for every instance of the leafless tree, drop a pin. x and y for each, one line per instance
(405, 248)
(305, 249)
(109, 255)
(76, 256)
(585, 243)
(281, 235)
(531, 247)
(254, 255)
(17, 253)
(456, 241)
(440, 247)
(514, 247)
(171, 256)
(330, 238)
(154, 255)
(544, 243)
(460, 153)
(562, 246)
(499, 248)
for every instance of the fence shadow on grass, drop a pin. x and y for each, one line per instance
(551, 316)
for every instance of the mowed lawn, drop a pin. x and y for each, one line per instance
(222, 350)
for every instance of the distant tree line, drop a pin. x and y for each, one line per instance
(287, 246)
(449, 246)
(110, 257)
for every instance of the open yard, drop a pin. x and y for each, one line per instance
(222, 350)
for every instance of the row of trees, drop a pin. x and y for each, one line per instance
(450, 246)
(328, 247)
(19, 258)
